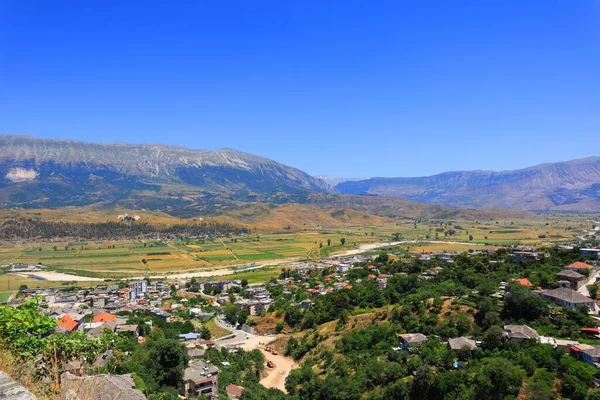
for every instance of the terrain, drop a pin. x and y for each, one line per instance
(560, 186)
(180, 182)
(38, 173)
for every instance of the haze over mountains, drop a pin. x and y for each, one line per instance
(44, 173)
(568, 186)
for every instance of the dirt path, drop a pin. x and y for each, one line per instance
(275, 376)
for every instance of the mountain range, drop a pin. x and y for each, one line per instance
(560, 186)
(45, 173)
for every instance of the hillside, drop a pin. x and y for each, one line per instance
(38, 173)
(562, 186)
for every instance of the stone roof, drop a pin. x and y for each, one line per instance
(567, 295)
(521, 332)
(413, 338)
(99, 387)
(460, 343)
(9, 389)
(568, 273)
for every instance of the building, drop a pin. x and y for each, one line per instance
(462, 343)
(523, 282)
(578, 266)
(520, 333)
(591, 355)
(589, 252)
(137, 289)
(568, 298)
(570, 279)
(200, 380)
(68, 323)
(306, 304)
(408, 340)
(104, 317)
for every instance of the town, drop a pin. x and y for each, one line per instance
(518, 295)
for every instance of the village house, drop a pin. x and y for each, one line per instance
(570, 279)
(520, 333)
(462, 343)
(200, 380)
(579, 266)
(408, 340)
(568, 298)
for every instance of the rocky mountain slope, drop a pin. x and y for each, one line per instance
(52, 173)
(571, 185)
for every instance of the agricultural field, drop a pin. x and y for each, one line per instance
(128, 258)
(4, 296)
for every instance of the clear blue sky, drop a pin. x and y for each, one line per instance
(345, 88)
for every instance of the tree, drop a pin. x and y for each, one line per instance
(343, 241)
(244, 282)
(498, 378)
(494, 338)
(520, 303)
(328, 242)
(593, 289)
(231, 313)
(470, 237)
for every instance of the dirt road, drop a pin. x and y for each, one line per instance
(283, 365)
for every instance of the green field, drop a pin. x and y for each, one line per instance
(4, 296)
(120, 259)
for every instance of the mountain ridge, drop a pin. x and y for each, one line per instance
(561, 186)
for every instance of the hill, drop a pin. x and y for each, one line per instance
(561, 186)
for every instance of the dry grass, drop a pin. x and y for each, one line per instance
(24, 374)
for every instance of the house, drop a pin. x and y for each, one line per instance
(462, 343)
(99, 387)
(570, 279)
(591, 355)
(568, 298)
(408, 340)
(200, 379)
(306, 304)
(343, 268)
(589, 252)
(189, 336)
(523, 282)
(578, 266)
(195, 354)
(68, 323)
(234, 391)
(133, 329)
(520, 333)
(104, 317)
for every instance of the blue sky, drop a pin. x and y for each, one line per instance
(346, 88)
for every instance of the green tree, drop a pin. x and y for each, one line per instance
(498, 378)
(494, 338)
(593, 289)
(343, 241)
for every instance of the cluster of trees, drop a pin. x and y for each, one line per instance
(363, 363)
(28, 228)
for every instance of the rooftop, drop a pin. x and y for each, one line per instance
(567, 295)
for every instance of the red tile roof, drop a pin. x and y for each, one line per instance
(580, 264)
(595, 330)
(67, 323)
(104, 317)
(524, 282)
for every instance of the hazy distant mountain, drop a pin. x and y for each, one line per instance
(571, 185)
(51, 173)
(336, 180)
